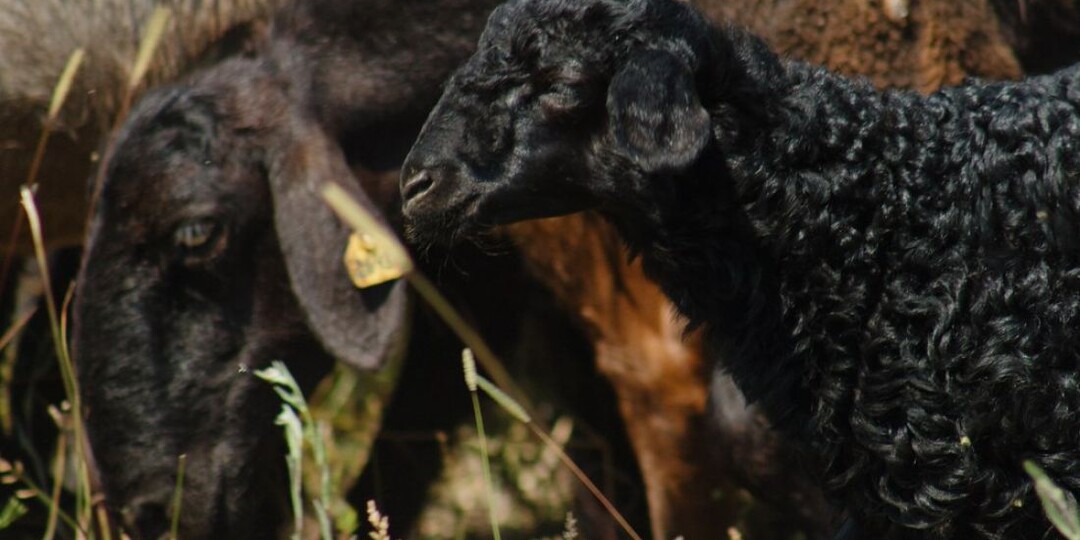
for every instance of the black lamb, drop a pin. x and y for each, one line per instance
(895, 277)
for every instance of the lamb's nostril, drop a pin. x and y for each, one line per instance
(416, 184)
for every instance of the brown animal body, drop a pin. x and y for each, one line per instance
(921, 44)
(696, 480)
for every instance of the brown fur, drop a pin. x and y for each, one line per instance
(658, 374)
(920, 44)
(639, 347)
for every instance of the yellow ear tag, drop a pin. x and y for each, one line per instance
(369, 263)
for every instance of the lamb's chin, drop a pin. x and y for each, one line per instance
(439, 229)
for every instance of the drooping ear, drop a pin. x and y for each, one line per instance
(654, 113)
(360, 327)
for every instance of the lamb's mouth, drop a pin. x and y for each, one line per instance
(441, 207)
(433, 218)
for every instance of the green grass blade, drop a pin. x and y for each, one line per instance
(584, 479)
(504, 401)
(11, 473)
(1060, 506)
(13, 510)
(57, 474)
(63, 86)
(290, 423)
(7, 372)
(59, 95)
(178, 496)
(471, 379)
(83, 495)
(362, 221)
(155, 29)
(300, 425)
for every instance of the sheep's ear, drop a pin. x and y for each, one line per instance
(654, 113)
(360, 327)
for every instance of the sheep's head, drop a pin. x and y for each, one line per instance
(567, 105)
(210, 254)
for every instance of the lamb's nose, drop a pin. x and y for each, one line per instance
(415, 184)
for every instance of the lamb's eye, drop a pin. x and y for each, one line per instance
(558, 102)
(562, 99)
(195, 233)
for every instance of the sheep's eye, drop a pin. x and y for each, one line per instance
(198, 238)
(195, 233)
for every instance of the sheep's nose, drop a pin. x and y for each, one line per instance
(416, 183)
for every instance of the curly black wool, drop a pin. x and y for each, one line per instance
(896, 277)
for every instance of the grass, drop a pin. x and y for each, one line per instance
(518, 413)
(300, 429)
(13, 473)
(59, 96)
(383, 240)
(68, 417)
(56, 103)
(1059, 505)
(155, 30)
(300, 426)
(380, 237)
(12, 511)
(73, 420)
(472, 383)
(178, 497)
(295, 417)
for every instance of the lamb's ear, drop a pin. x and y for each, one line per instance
(654, 113)
(360, 327)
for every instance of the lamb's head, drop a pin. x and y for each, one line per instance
(567, 105)
(210, 254)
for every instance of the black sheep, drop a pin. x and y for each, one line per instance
(895, 277)
(210, 253)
